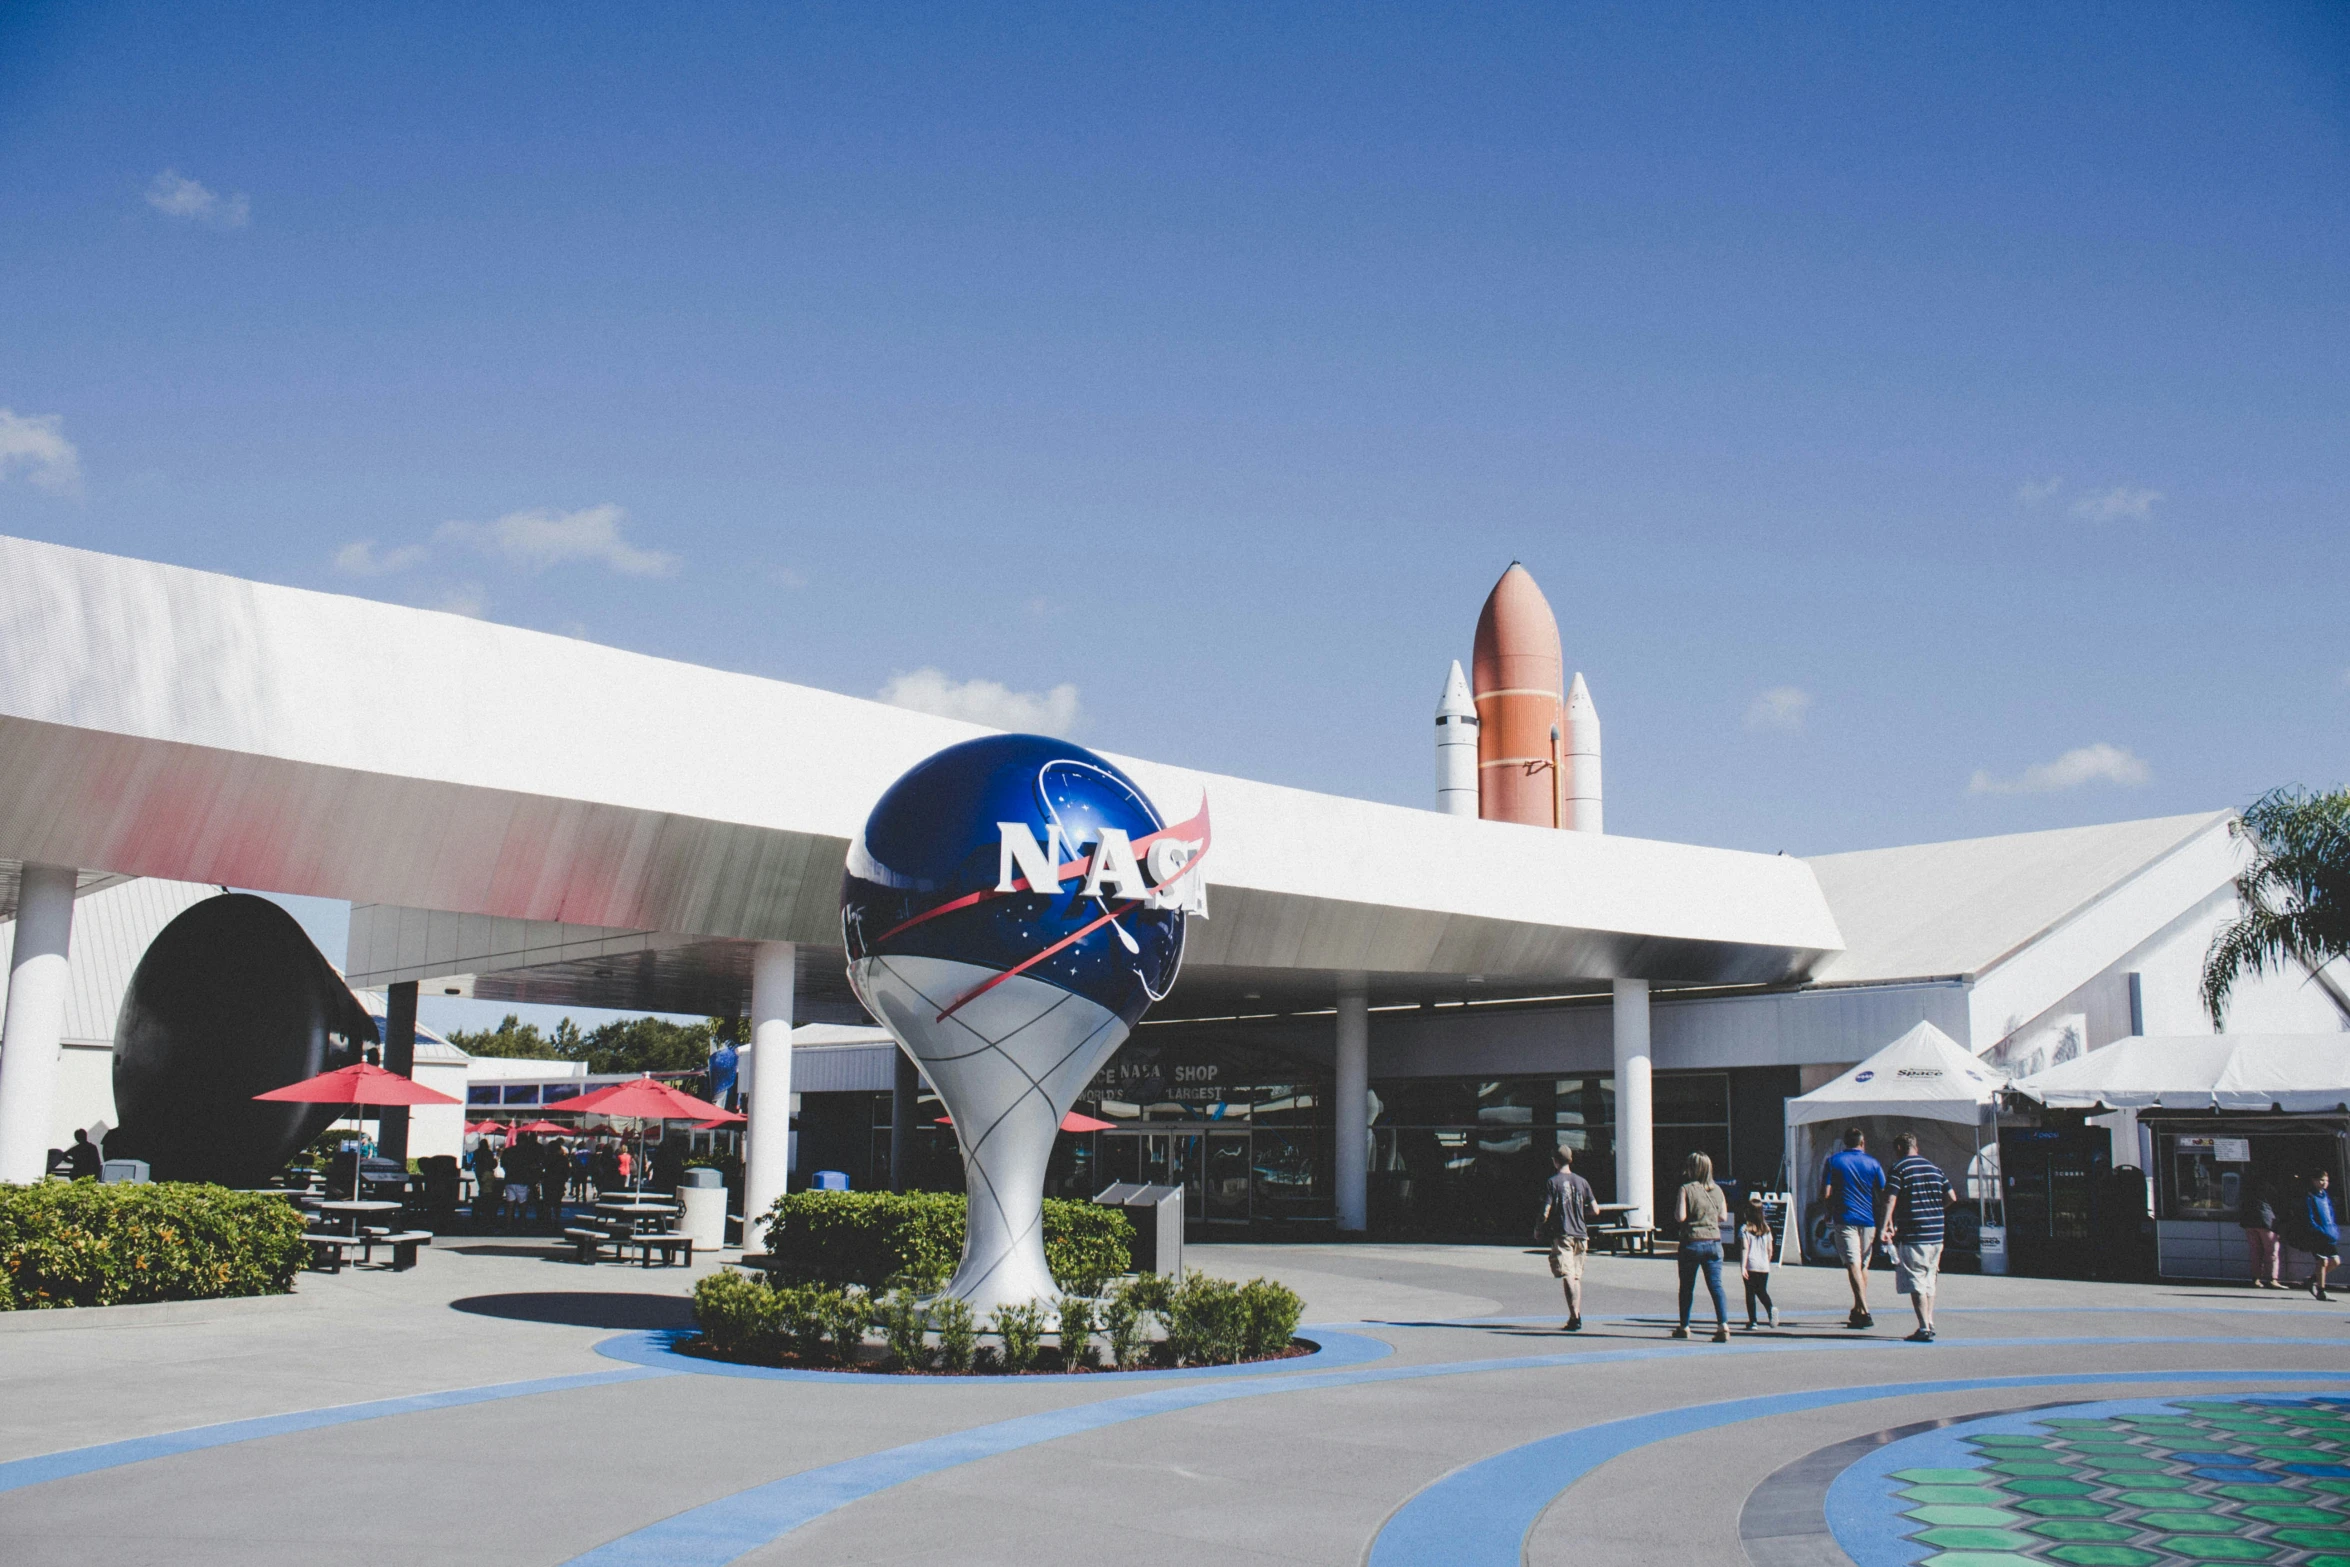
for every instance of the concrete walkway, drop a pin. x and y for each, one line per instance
(1284, 1466)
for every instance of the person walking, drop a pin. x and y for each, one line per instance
(2321, 1236)
(1917, 1195)
(1755, 1255)
(1568, 1207)
(1854, 1183)
(1698, 1213)
(2261, 1240)
(487, 1191)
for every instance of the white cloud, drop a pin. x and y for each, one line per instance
(174, 196)
(360, 558)
(1053, 712)
(2117, 503)
(1781, 708)
(2099, 763)
(37, 444)
(2033, 491)
(462, 598)
(545, 537)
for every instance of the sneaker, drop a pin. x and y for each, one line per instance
(1750, 1324)
(1574, 1324)
(1922, 1336)
(1721, 1333)
(1681, 1332)
(1861, 1319)
(1774, 1316)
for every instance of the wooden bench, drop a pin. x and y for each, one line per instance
(590, 1241)
(327, 1251)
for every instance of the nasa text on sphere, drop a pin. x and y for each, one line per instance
(1013, 906)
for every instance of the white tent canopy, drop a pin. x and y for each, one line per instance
(2294, 1072)
(1924, 1074)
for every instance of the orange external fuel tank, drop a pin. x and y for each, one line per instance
(1517, 681)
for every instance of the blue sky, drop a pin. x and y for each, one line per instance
(1927, 421)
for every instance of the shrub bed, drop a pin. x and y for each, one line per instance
(83, 1244)
(881, 1239)
(1201, 1321)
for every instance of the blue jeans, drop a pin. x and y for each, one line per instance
(1707, 1255)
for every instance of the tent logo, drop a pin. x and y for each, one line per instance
(1918, 1071)
(1862, 1077)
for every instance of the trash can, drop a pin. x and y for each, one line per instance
(829, 1181)
(1156, 1212)
(1994, 1248)
(701, 1207)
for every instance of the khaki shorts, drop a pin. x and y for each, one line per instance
(1854, 1242)
(1915, 1265)
(1566, 1258)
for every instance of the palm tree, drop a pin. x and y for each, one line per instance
(2296, 892)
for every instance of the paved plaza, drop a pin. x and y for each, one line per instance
(496, 1405)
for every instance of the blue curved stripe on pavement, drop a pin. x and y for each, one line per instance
(655, 1347)
(720, 1531)
(22, 1472)
(1480, 1515)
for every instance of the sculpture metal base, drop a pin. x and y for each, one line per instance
(1008, 1066)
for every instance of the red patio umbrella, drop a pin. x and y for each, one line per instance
(359, 1085)
(1072, 1122)
(542, 1128)
(648, 1100)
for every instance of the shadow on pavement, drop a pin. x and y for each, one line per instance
(584, 1309)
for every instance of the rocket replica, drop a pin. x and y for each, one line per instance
(1534, 738)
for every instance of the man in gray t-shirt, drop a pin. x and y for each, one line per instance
(1567, 1211)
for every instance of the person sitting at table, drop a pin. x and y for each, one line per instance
(83, 1161)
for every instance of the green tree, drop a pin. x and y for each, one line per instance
(2295, 892)
(647, 1044)
(513, 1039)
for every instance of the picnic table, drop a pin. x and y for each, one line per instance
(350, 1232)
(1620, 1236)
(644, 1225)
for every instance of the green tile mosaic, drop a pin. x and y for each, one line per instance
(2144, 1491)
(2066, 1507)
(2082, 1529)
(1976, 1539)
(1994, 1517)
(2181, 1521)
(2299, 1515)
(1955, 1495)
(2315, 1539)
(2219, 1548)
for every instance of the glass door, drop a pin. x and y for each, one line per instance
(1225, 1181)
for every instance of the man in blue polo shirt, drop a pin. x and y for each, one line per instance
(1916, 1193)
(1854, 1183)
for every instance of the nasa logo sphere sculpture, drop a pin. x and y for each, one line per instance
(1012, 907)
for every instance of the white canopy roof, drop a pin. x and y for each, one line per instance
(2202, 1071)
(1924, 1074)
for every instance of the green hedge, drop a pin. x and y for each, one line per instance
(880, 1238)
(82, 1244)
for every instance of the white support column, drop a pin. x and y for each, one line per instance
(1635, 1104)
(767, 1158)
(1350, 1111)
(35, 1022)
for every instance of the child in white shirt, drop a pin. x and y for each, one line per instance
(1754, 1261)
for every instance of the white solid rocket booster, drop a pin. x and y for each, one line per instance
(1582, 743)
(1456, 747)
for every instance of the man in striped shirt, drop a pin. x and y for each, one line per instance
(1916, 1196)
